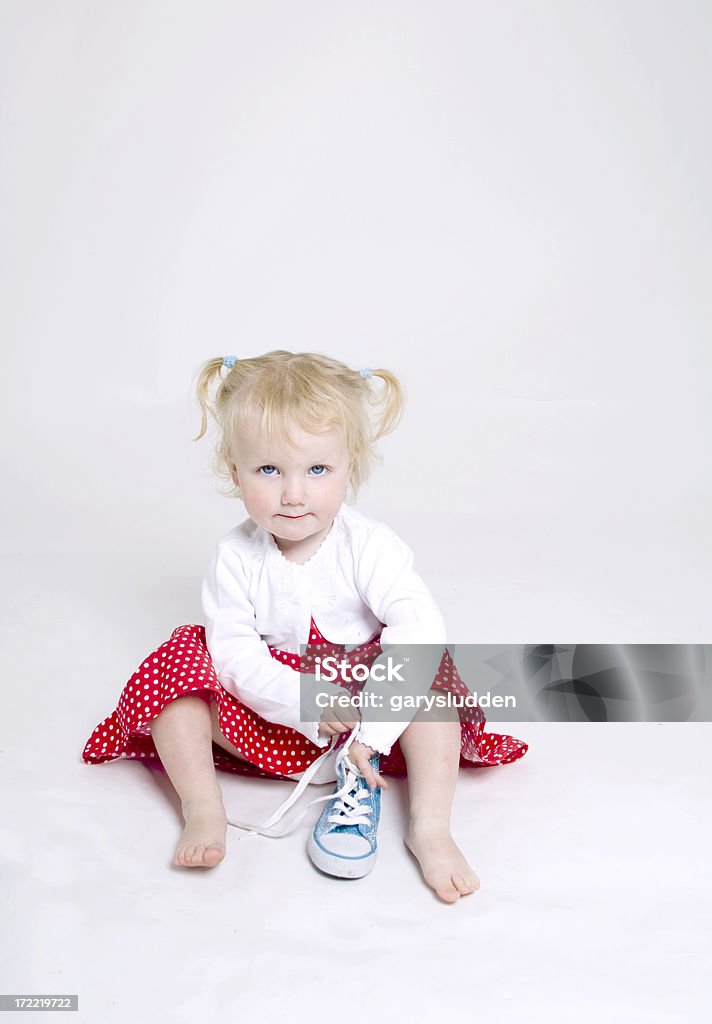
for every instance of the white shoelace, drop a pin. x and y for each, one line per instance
(348, 808)
(268, 829)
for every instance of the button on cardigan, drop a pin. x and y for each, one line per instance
(358, 583)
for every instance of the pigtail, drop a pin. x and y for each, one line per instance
(392, 401)
(207, 374)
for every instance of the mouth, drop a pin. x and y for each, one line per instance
(292, 517)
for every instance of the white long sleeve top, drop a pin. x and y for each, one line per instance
(360, 581)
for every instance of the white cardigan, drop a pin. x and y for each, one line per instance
(359, 581)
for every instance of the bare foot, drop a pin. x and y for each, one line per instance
(202, 844)
(441, 861)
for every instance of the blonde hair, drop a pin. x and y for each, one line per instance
(313, 391)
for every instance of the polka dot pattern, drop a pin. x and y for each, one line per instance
(182, 665)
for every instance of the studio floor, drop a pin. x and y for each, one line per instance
(593, 854)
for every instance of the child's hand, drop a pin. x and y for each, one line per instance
(360, 756)
(335, 720)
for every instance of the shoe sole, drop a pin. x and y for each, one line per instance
(340, 867)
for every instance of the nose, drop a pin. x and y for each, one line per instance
(293, 492)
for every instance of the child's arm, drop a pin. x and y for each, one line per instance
(400, 599)
(242, 660)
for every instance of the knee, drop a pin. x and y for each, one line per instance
(181, 707)
(437, 708)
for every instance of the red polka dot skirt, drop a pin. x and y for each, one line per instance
(182, 665)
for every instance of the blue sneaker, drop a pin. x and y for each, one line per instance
(343, 842)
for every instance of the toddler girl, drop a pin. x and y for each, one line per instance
(305, 577)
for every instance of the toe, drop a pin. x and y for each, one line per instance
(213, 854)
(463, 886)
(448, 892)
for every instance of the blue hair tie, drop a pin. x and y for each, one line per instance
(367, 372)
(229, 361)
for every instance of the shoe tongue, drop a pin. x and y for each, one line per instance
(348, 766)
(355, 829)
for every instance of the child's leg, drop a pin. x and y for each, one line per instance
(432, 753)
(183, 735)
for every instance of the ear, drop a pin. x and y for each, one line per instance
(233, 474)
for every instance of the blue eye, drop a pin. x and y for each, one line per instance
(318, 466)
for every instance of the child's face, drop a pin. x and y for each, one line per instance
(294, 493)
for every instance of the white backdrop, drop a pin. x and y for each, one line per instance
(505, 203)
